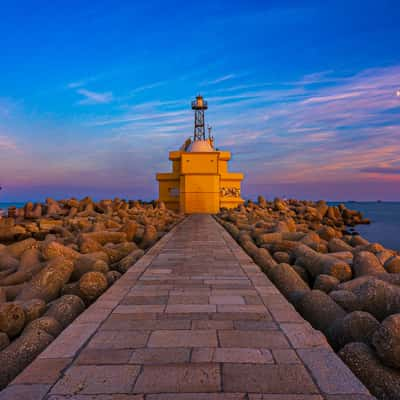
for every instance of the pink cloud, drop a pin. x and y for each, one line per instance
(6, 143)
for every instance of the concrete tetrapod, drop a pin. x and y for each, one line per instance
(386, 340)
(21, 352)
(357, 326)
(320, 310)
(12, 318)
(382, 381)
(317, 263)
(65, 309)
(48, 282)
(379, 298)
(288, 282)
(366, 263)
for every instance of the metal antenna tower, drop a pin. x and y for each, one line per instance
(199, 105)
(209, 128)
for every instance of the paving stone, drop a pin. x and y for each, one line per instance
(190, 292)
(95, 379)
(42, 371)
(285, 356)
(252, 300)
(98, 397)
(69, 341)
(90, 356)
(185, 316)
(231, 355)
(192, 318)
(254, 325)
(144, 300)
(181, 338)
(211, 324)
(191, 308)
(24, 392)
(116, 322)
(140, 291)
(285, 313)
(270, 291)
(227, 300)
(139, 309)
(238, 292)
(159, 271)
(262, 378)
(197, 396)
(188, 299)
(118, 340)
(253, 339)
(242, 316)
(177, 378)
(239, 282)
(303, 335)
(93, 316)
(330, 373)
(160, 356)
(284, 397)
(350, 397)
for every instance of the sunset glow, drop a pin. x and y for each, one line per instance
(92, 101)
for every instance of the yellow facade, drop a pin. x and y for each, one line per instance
(200, 182)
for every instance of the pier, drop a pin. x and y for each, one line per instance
(194, 318)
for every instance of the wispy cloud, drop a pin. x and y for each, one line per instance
(74, 85)
(223, 78)
(147, 87)
(84, 81)
(382, 170)
(330, 98)
(156, 104)
(139, 116)
(333, 131)
(319, 77)
(319, 128)
(6, 143)
(95, 97)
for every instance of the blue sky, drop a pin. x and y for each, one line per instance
(93, 95)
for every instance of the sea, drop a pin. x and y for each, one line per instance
(4, 207)
(385, 222)
(384, 216)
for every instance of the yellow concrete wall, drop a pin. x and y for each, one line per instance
(200, 193)
(230, 192)
(176, 166)
(199, 163)
(199, 203)
(222, 167)
(200, 183)
(169, 190)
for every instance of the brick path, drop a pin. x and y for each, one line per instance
(195, 318)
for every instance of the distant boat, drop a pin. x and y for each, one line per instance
(379, 201)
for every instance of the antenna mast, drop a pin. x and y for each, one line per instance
(199, 106)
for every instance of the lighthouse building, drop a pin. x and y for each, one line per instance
(200, 181)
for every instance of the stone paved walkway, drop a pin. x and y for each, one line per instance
(195, 318)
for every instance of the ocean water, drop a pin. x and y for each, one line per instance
(385, 222)
(384, 216)
(4, 206)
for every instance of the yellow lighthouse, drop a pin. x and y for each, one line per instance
(200, 181)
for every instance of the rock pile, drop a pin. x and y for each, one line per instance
(343, 285)
(57, 258)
